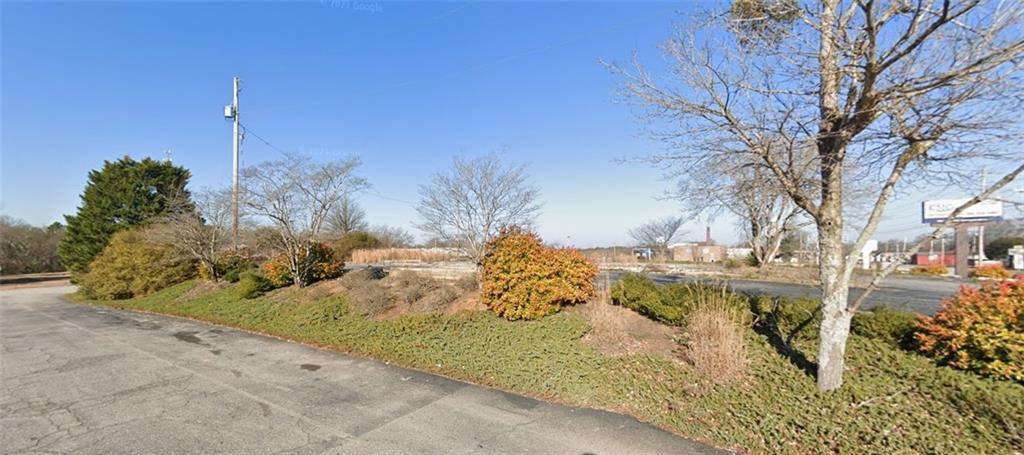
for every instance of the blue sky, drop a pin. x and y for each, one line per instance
(406, 86)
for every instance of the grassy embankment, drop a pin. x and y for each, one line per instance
(893, 401)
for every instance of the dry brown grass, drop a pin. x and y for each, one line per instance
(381, 255)
(398, 293)
(714, 344)
(610, 255)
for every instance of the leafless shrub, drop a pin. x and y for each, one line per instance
(472, 202)
(368, 297)
(398, 293)
(28, 249)
(346, 216)
(658, 234)
(295, 195)
(392, 236)
(468, 282)
(437, 300)
(408, 286)
(198, 229)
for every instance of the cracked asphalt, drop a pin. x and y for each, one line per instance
(82, 379)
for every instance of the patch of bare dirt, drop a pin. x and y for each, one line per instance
(324, 289)
(470, 301)
(620, 331)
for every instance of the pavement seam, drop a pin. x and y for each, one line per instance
(256, 398)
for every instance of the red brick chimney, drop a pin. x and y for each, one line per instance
(707, 236)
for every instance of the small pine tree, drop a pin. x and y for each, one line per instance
(120, 195)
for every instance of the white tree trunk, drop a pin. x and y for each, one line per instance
(835, 318)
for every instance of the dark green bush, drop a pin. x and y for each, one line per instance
(233, 275)
(252, 284)
(890, 325)
(751, 260)
(229, 268)
(355, 240)
(232, 266)
(671, 303)
(635, 292)
(352, 277)
(793, 319)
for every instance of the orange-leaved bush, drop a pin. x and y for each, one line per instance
(932, 269)
(992, 271)
(979, 329)
(278, 271)
(315, 263)
(524, 279)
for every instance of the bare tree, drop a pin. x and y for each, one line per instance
(295, 195)
(474, 200)
(392, 237)
(658, 234)
(28, 249)
(198, 227)
(347, 216)
(745, 189)
(884, 92)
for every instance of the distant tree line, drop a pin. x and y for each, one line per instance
(29, 249)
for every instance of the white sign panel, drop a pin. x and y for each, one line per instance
(937, 211)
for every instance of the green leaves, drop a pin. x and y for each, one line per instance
(120, 195)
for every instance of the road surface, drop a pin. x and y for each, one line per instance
(81, 379)
(923, 295)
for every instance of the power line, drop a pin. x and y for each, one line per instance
(257, 136)
(376, 193)
(372, 192)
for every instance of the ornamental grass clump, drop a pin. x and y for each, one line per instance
(524, 279)
(714, 343)
(979, 329)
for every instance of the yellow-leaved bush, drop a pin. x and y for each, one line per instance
(524, 279)
(130, 266)
(979, 329)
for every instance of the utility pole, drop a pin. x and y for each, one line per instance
(231, 112)
(981, 229)
(942, 247)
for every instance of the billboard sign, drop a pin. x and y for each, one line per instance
(936, 211)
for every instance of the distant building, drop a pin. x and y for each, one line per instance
(698, 252)
(924, 259)
(643, 254)
(1015, 257)
(738, 253)
(694, 252)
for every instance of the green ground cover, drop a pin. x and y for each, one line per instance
(893, 401)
